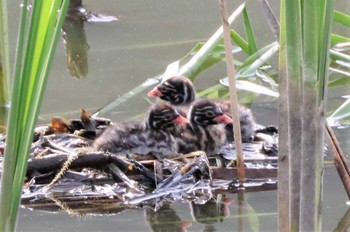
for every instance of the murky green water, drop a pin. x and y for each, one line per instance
(147, 37)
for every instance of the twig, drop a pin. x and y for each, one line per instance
(64, 168)
(339, 159)
(232, 87)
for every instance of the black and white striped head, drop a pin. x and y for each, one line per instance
(163, 117)
(177, 90)
(205, 113)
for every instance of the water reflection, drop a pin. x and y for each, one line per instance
(74, 38)
(344, 223)
(3, 118)
(212, 212)
(165, 219)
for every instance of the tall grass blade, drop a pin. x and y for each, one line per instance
(4, 56)
(250, 66)
(249, 31)
(255, 88)
(251, 87)
(335, 55)
(32, 65)
(341, 18)
(238, 39)
(343, 112)
(201, 55)
(336, 39)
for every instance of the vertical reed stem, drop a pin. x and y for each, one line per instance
(233, 95)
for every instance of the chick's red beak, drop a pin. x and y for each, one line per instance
(180, 120)
(154, 92)
(223, 119)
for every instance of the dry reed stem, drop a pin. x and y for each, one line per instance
(233, 93)
(339, 159)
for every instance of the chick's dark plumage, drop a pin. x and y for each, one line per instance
(179, 91)
(206, 130)
(152, 136)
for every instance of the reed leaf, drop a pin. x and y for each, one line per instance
(341, 18)
(250, 34)
(335, 55)
(250, 66)
(200, 56)
(4, 56)
(308, 36)
(251, 87)
(35, 49)
(340, 82)
(343, 112)
(238, 39)
(336, 39)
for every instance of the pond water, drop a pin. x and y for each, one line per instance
(121, 55)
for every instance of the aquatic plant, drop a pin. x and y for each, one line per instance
(4, 56)
(305, 34)
(35, 49)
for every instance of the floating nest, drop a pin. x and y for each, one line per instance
(65, 173)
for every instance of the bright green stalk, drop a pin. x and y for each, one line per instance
(4, 55)
(341, 18)
(237, 38)
(338, 39)
(250, 34)
(325, 47)
(32, 65)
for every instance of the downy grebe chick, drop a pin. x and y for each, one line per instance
(152, 136)
(206, 130)
(179, 91)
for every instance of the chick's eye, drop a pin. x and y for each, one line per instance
(167, 117)
(209, 114)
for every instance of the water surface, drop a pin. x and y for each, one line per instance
(122, 54)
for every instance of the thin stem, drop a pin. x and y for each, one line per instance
(233, 92)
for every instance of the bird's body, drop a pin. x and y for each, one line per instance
(206, 130)
(152, 136)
